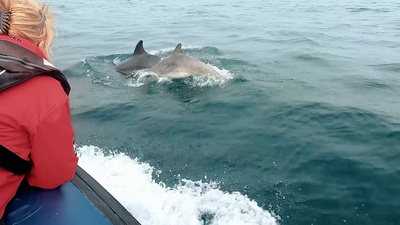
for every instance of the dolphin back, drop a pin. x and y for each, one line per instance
(139, 60)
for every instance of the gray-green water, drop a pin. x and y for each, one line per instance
(306, 121)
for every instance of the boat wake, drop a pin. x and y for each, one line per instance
(187, 202)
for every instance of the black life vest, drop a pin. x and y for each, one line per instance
(17, 65)
(12, 162)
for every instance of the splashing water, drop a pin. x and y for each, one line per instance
(188, 202)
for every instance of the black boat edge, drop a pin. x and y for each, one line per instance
(116, 213)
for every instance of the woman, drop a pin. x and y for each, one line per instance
(36, 133)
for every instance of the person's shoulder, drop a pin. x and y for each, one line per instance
(37, 95)
(43, 85)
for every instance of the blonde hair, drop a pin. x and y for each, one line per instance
(30, 20)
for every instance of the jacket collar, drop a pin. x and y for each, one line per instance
(23, 43)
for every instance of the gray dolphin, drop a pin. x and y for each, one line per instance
(139, 60)
(180, 65)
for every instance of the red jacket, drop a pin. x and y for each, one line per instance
(35, 123)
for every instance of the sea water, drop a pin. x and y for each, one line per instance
(303, 127)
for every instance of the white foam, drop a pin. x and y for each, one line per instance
(117, 60)
(145, 76)
(142, 77)
(225, 76)
(131, 183)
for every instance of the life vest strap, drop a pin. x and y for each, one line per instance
(12, 162)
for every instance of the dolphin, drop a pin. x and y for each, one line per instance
(139, 60)
(180, 65)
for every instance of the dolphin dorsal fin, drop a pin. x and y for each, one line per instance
(139, 48)
(178, 49)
